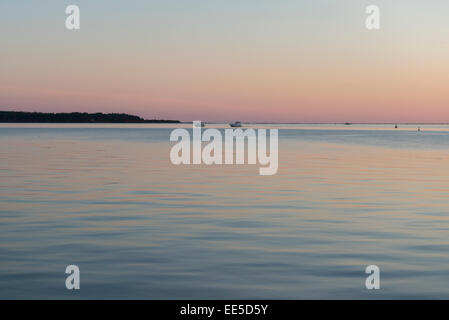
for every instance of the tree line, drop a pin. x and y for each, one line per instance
(75, 117)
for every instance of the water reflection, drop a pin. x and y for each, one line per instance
(109, 200)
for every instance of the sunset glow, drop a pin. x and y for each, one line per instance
(265, 61)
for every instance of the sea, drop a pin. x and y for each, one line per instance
(107, 198)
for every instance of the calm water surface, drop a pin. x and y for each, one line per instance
(108, 199)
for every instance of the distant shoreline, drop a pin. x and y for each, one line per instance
(84, 117)
(74, 117)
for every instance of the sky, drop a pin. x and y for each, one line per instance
(247, 60)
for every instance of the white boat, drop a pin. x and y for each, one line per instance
(199, 124)
(236, 124)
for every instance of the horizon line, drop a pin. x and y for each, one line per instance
(249, 122)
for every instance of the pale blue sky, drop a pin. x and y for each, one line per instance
(309, 60)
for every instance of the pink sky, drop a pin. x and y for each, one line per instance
(265, 65)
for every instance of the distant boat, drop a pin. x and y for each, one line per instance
(348, 123)
(396, 126)
(199, 124)
(236, 124)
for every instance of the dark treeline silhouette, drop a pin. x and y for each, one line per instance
(75, 117)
